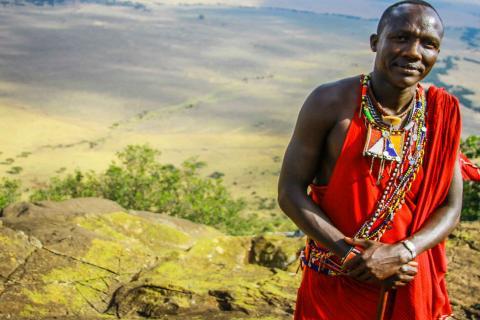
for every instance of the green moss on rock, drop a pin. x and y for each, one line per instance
(124, 226)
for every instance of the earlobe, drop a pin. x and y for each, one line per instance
(373, 42)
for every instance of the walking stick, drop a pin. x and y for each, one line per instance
(382, 304)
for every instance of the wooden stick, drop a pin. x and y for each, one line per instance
(382, 303)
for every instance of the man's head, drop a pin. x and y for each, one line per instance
(407, 42)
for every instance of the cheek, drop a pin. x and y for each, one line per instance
(429, 58)
(386, 56)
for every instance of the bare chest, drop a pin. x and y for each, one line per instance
(332, 149)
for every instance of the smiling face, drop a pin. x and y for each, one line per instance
(408, 46)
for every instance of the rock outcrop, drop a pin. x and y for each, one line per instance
(91, 259)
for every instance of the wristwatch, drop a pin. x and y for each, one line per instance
(410, 247)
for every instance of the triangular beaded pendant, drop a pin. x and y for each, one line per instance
(390, 151)
(377, 149)
(384, 144)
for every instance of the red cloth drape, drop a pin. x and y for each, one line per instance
(470, 171)
(350, 198)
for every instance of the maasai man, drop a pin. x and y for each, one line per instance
(372, 176)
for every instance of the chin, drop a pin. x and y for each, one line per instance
(402, 81)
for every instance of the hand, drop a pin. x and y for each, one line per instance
(377, 262)
(405, 274)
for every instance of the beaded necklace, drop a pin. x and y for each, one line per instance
(402, 148)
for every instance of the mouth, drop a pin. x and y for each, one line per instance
(409, 68)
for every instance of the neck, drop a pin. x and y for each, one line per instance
(391, 98)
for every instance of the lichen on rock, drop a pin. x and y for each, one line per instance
(71, 260)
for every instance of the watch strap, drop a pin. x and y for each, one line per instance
(410, 247)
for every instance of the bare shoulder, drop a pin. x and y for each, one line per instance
(331, 101)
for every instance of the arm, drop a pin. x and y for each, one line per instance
(300, 165)
(380, 261)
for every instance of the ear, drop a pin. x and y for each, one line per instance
(374, 42)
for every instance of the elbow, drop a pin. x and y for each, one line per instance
(458, 217)
(458, 211)
(455, 223)
(286, 199)
(282, 198)
(289, 199)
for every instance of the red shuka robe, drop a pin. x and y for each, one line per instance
(352, 195)
(470, 171)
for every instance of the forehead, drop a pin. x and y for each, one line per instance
(416, 19)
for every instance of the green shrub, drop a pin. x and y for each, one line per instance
(471, 147)
(206, 200)
(138, 181)
(74, 185)
(9, 192)
(15, 170)
(471, 201)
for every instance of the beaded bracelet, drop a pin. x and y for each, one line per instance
(353, 252)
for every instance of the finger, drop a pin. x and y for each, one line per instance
(408, 270)
(404, 279)
(358, 242)
(411, 273)
(413, 263)
(401, 283)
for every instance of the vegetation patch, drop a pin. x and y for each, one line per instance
(471, 190)
(139, 181)
(9, 192)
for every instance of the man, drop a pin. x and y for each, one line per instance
(379, 154)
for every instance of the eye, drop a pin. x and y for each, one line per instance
(430, 44)
(401, 37)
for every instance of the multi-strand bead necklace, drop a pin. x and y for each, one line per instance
(403, 149)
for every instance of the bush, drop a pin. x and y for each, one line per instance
(471, 147)
(74, 185)
(9, 192)
(471, 190)
(206, 200)
(138, 181)
(471, 201)
(15, 170)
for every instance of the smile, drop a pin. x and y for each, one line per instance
(409, 68)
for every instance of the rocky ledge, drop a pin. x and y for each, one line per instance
(91, 259)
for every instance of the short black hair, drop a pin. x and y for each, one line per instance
(388, 12)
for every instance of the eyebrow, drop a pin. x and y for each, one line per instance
(411, 32)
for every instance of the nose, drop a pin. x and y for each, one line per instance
(412, 50)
